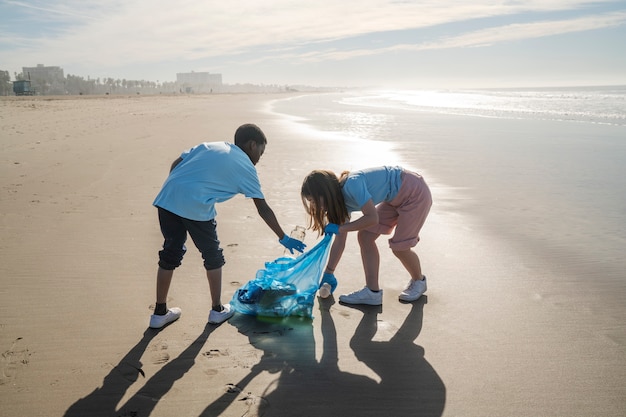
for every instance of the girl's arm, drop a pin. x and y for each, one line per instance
(369, 218)
(336, 250)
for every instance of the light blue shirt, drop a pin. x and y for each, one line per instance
(209, 173)
(376, 184)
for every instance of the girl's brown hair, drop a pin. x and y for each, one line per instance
(323, 200)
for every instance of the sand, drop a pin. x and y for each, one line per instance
(493, 336)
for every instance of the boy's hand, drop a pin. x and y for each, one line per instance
(331, 229)
(291, 244)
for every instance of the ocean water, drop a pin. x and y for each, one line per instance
(605, 105)
(544, 167)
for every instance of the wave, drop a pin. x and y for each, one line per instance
(605, 105)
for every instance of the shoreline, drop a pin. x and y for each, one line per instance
(491, 202)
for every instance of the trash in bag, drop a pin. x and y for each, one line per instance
(286, 287)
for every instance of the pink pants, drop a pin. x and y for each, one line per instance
(407, 212)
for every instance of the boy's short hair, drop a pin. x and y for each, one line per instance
(247, 132)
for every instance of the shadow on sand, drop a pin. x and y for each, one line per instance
(409, 386)
(103, 400)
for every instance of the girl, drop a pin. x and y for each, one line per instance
(388, 197)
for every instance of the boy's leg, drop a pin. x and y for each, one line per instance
(219, 312)
(162, 315)
(170, 257)
(204, 236)
(164, 279)
(214, 277)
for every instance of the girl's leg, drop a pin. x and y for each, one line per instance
(411, 262)
(413, 204)
(370, 258)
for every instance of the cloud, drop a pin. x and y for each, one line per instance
(531, 30)
(149, 29)
(110, 34)
(63, 11)
(486, 37)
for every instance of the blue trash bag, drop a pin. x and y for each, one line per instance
(286, 287)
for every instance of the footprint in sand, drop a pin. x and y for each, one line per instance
(213, 353)
(159, 353)
(256, 405)
(345, 314)
(13, 360)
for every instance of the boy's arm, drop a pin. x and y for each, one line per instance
(267, 214)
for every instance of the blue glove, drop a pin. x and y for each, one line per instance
(330, 280)
(291, 244)
(331, 229)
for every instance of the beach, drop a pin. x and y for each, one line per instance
(513, 323)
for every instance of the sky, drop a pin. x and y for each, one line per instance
(333, 43)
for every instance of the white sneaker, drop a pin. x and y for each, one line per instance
(217, 317)
(413, 290)
(156, 321)
(363, 296)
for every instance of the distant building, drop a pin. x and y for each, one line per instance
(199, 82)
(45, 80)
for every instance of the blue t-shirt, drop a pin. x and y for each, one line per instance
(378, 184)
(209, 173)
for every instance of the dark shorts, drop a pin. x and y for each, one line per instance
(203, 233)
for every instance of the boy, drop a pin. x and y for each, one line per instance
(202, 176)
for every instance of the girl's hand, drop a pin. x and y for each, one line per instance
(330, 280)
(331, 229)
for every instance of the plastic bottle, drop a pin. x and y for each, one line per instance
(297, 233)
(324, 290)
